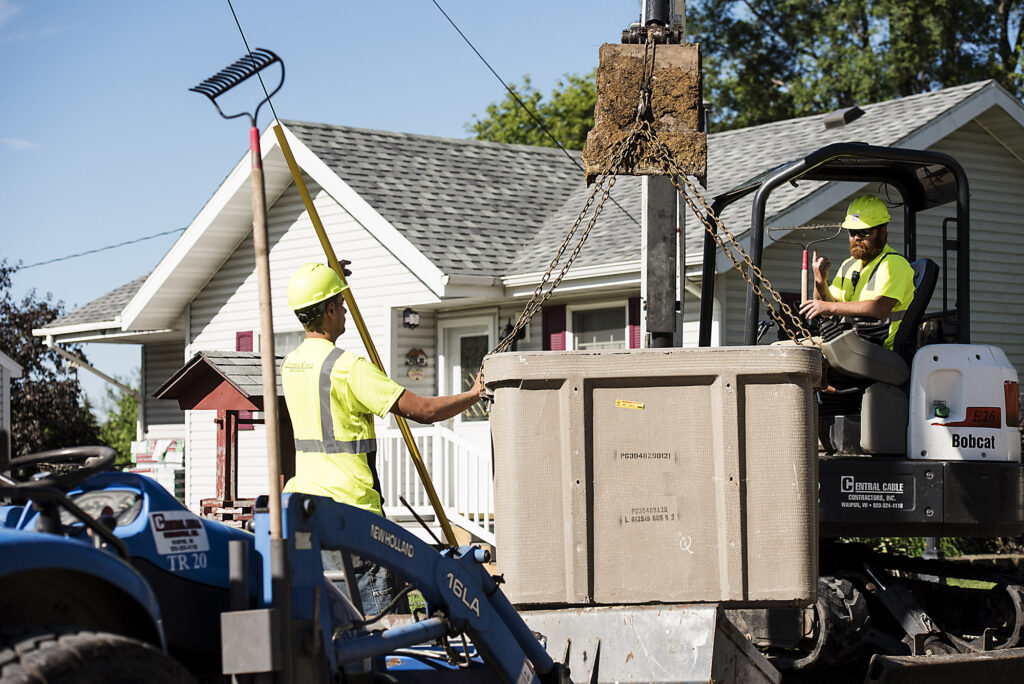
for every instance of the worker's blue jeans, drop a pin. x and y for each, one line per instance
(377, 584)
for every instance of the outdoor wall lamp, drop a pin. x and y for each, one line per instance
(410, 318)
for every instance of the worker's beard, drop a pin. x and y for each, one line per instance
(866, 250)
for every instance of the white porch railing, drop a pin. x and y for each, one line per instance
(459, 469)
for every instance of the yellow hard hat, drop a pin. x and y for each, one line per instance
(311, 284)
(867, 211)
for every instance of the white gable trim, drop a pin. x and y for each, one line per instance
(78, 327)
(600, 276)
(389, 236)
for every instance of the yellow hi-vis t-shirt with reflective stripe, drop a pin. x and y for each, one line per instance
(883, 276)
(332, 396)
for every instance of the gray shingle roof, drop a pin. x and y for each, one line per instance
(734, 157)
(469, 206)
(241, 369)
(102, 309)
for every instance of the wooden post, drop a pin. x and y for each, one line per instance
(227, 455)
(279, 571)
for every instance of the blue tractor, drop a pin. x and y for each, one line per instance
(105, 577)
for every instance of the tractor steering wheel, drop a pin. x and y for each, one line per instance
(103, 457)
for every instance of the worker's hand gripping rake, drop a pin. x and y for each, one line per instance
(230, 76)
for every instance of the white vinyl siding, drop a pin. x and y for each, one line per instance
(7, 374)
(164, 420)
(997, 248)
(423, 336)
(229, 303)
(5, 406)
(5, 400)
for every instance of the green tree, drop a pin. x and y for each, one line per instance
(568, 114)
(766, 60)
(48, 408)
(120, 428)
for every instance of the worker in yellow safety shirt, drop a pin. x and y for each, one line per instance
(874, 286)
(332, 397)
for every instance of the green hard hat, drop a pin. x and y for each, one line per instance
(867, 211)
(311, 284)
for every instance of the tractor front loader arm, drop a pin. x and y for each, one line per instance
(461, 596)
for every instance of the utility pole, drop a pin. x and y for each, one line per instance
(658, 262)
(659, 214)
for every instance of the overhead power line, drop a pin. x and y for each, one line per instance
(522, 104)
(102, 249)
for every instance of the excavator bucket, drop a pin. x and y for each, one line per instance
(675, 113)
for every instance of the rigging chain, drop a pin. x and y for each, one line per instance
(640, 133)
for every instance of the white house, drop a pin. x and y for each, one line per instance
(460, 232)
(9, 370)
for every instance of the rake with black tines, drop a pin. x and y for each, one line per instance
(230, 76)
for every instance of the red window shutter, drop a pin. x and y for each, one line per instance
(243, 342)
(634, 322)
(553, 328)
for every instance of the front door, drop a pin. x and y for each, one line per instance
(464, 344)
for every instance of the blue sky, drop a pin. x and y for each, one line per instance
(101, 142)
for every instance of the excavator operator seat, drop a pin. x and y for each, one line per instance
(882, 423)
(926, 274)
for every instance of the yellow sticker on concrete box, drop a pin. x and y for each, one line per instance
(622, 403)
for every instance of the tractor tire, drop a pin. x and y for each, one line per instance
(68, 656)
(843, 626)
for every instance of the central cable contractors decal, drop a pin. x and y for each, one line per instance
(894, 492)
(178, 532)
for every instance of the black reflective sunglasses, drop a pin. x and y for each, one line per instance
(863, 233)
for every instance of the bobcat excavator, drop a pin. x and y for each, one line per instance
(928, 446)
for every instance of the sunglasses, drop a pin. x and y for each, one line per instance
(863, 233)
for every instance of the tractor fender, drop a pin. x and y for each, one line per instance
(55, 581)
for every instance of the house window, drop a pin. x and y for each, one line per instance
(285, 342)
(602, 327)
